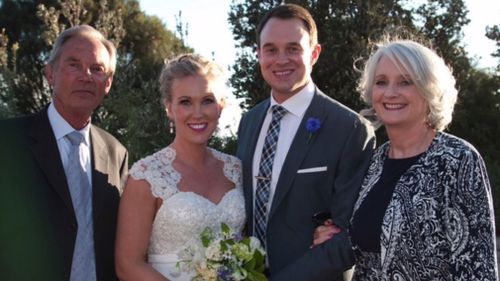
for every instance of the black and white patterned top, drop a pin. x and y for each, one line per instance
(439, 224)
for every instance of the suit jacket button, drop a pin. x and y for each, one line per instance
(72, 227)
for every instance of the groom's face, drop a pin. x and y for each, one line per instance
(286, 56)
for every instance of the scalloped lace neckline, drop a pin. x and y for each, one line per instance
(206, 199)
(219, 157)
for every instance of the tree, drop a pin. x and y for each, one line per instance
(493, 33)
(5, 74)
(25, 51)
(132, 112)
(443, 24)
(30, 40)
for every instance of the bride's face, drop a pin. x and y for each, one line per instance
(194, 109)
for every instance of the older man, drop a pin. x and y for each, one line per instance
(60, 176)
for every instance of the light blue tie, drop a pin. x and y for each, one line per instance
(265, 172)
(83, 265)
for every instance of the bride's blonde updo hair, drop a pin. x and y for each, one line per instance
(432, 77)
(186, 65)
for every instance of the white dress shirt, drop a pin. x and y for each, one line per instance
(296, 106)
(61, 128)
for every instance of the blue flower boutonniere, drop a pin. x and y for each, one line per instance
(312, 126)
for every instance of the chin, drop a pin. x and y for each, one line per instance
(200, 140)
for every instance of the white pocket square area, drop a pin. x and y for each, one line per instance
(312, 170)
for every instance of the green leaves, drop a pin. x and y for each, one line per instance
(226, 254)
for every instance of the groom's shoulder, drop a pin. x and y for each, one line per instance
(253, 114)
(336, 107)
(341, 115)
(259, 106)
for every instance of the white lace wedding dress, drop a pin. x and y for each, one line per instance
(184, 215)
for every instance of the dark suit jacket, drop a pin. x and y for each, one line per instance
(344, 145)
(37, 221)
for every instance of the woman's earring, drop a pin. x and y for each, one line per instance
(171, 125)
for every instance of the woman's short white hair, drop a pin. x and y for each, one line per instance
(432, 77)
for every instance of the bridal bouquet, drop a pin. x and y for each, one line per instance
(225, 256)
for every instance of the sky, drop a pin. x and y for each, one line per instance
(210, 35)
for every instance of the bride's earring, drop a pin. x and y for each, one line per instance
(171, 126)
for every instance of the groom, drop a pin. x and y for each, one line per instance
(292, 169)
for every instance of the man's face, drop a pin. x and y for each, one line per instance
(286, 56)
(79, 77)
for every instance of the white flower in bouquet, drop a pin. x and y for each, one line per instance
(213, 251)
(209, 273)
(255, 244)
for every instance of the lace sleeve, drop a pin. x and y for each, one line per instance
(232, 167)
(157, 170)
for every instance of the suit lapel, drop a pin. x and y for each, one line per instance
(99, 165)
(298, 150)
(44, 147)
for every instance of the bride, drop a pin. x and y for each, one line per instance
(172, 195)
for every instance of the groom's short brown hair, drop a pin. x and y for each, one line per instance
(289, 11)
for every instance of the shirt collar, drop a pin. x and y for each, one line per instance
(298, 103)
(61, 127)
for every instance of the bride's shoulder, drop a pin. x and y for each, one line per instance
(226, 158)
(232, 166)
(157, 170)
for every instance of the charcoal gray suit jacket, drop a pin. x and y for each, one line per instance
(321, 172)
(37, 220)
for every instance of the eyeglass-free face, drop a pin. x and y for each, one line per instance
(395, 97)
(286, 56)
(79, 77)
(195, 109)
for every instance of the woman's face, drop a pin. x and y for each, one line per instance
(395, 97)
(194, 109)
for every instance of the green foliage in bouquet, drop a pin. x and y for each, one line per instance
(229, 257)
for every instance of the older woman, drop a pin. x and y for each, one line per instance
(425, 209)
(174, 194)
